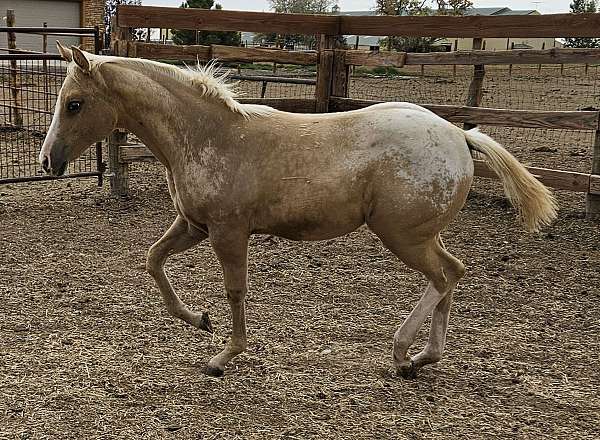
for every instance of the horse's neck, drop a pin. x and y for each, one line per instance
(166, 115)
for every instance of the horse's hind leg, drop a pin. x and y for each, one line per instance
(437, 336)
(439, 326)
(443, 271)
(178, 238)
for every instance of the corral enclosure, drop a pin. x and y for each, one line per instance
(88, 351)
(336, 91)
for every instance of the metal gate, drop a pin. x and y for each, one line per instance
(29, 86)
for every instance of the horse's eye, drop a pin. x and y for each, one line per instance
(74, 106)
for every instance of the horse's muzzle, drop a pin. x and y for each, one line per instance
(53, 171)
(54, 161)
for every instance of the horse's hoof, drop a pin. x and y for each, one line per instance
(214, 371)
(204, 323)
(407, 370)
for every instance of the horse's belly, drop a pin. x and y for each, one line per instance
(304, 230)
(311, 218)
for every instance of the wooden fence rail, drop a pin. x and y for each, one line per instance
(222, 53)
(570, 120)
(333, 62)
(358, 57)
(475, 57)
(220, 20)
(539, 26)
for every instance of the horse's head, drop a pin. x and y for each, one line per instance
(83, 114)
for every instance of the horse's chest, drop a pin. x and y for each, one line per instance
(202, 198)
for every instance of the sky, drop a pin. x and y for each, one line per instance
(544, 6)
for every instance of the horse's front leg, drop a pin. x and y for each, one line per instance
(231, 247)
(178, 238)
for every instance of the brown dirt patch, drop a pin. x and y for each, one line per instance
(87, 350)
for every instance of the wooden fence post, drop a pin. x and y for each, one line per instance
(476, 86)
(592, 201)
(119, 38)
(333, 74)
(454, 65)
(118, 171)
(341, 74)
(512, 47)
(324, 73)
(17, 118)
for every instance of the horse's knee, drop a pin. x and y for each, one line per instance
(154, 261)
(453, 270)
(458, 270)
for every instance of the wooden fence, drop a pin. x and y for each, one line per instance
(333, 63)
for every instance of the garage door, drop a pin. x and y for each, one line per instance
(57, 13)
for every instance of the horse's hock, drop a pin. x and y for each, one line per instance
(332, 91)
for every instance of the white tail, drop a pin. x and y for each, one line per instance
(533, 201)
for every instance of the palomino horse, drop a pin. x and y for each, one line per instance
(236, 169)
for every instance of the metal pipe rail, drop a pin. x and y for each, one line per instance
(49, 30)
(273, 79)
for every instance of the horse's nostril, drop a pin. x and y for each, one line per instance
(45, 166)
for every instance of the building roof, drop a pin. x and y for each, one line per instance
(486, 11)
(522, 12)
(500, 11)
(357, 13)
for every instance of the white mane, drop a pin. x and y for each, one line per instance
(209, 80)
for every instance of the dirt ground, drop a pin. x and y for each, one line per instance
(87, 350)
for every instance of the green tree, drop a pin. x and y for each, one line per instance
(402, 7)
(418, 7)
(185, 36)
(578, 7)
(302, 6)
(453, 7)
(295, 7)
(406, 7)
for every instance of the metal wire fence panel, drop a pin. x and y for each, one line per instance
(558, 149)
(433, 85)
(544, 87)
(518, 87)
(269, 89)
(29, 90)
(248, 89)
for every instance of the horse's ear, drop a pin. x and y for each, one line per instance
(67, 54)
(80, 59)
